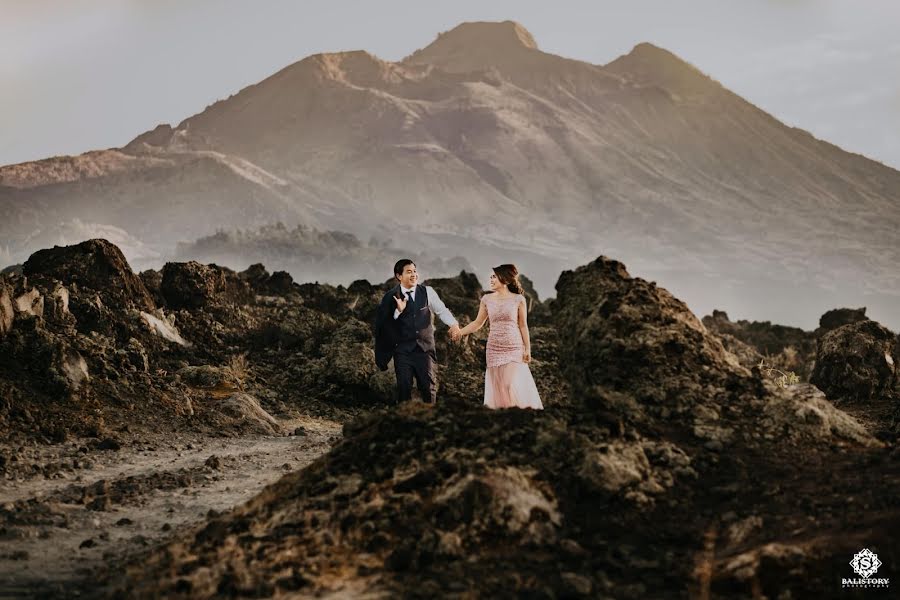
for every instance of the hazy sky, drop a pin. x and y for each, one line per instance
(78, 75)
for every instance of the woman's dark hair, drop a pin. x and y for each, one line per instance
(401, 264)
(509, 275)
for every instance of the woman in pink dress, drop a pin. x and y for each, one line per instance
(507, 381)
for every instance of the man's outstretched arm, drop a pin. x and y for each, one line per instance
(440, 309)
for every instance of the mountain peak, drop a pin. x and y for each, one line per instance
(648, 49)
(474, 45)
(647, 63)
(649, 53)
(495, 33)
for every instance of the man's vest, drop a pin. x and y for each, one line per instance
(414, 324)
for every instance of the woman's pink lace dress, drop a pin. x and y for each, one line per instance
(508, 381)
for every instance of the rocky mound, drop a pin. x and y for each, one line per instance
(636, 352)
(856, 367)
(84, 349)
(96, 266)
(630, 334)
(841, 316)
(859, 362)
(623, 491)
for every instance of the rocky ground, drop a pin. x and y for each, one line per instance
(668, 463)
(87, 506)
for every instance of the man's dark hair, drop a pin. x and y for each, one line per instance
(401, 264)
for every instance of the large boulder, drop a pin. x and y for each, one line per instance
(94, 264)
(837, 317)
(859, 361)
(626, 334)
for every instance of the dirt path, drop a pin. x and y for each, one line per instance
(78, 508)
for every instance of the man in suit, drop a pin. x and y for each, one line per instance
(404, 332)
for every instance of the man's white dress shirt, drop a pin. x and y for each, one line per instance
(434, 303)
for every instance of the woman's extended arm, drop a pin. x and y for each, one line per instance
(478, 323)
(523, 328)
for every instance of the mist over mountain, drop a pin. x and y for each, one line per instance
(312, 255)
(482, 146)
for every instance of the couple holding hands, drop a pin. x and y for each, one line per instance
(404, 332)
